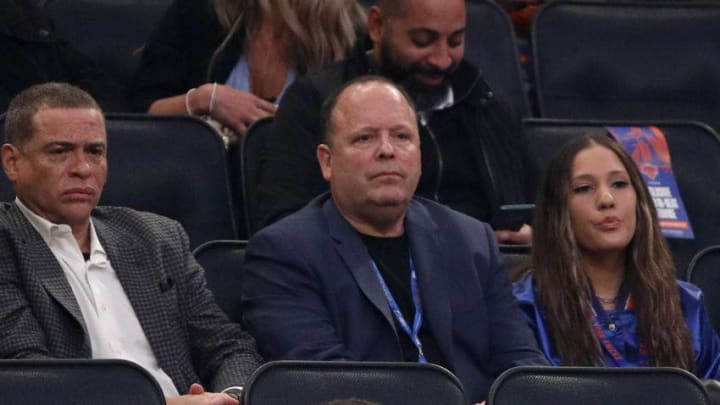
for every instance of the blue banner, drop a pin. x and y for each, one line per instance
(649, 150)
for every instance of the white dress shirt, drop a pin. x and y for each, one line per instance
(112, 325)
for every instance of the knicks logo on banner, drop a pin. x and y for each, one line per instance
(649, 150)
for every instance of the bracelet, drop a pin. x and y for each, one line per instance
(212, 98)
(187, 101)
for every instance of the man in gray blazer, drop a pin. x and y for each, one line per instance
(80, 281)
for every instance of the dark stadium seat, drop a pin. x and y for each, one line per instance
(313, 382)
(245, 161)
(174, 166)
(77, 382)
(223, 264)
(596, 386)
(653, 60)
(704, 272)
(490, 44)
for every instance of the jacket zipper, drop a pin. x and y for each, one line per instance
(486, 159)
(423, 118)
(494, 189)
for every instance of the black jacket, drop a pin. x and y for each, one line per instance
(480, 133)
(33, 54)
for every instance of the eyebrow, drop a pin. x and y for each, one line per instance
(434, 32)
(67, 144)
(58, 143)
(610, 173)
(399, 127)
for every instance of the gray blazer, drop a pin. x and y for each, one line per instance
(190, 336)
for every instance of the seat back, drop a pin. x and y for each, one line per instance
(490, 44)
(77, 382)
(704, 272)
(694, 150)
(251, 148)
(516, 259)
(628, 60)
(223, 264)
(174, 166)
(313, 382)
(111, 32)
(597, 385)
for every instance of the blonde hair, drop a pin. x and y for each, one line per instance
(324, 30)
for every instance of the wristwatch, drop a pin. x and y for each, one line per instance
(235, 392)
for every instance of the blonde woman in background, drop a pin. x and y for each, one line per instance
(231, 60)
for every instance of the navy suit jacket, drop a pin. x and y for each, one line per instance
(190, 336)
(310, 292)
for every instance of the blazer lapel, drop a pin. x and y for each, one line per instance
(354, 253)
(52, 276)
(135, 268)
(432, 275)
(36, 256)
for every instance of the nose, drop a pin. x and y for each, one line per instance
(80, 166)
(440, 58)
(386, 150)
(606, 199)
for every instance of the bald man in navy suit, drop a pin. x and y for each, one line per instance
(369, 272)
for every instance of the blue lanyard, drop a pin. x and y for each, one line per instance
(417, 321)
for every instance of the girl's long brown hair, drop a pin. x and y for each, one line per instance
(564, 291)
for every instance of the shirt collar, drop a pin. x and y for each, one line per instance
(447, 102)
(48, 231)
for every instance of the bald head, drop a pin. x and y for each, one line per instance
(357, 87)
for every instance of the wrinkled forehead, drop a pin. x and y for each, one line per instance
(78, 123)
(373, 103)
